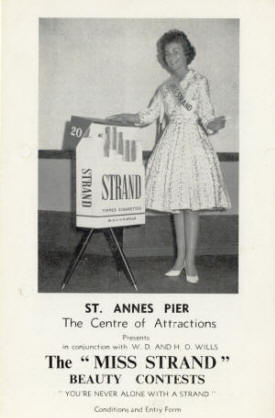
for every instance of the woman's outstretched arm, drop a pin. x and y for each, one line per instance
(143, 118)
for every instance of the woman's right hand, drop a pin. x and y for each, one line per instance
(125, 118)
(121, 117)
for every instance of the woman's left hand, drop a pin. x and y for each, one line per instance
(216, 124)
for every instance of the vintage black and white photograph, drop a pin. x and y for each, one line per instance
(138, 155)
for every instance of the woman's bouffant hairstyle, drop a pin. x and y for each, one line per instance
(175, 36)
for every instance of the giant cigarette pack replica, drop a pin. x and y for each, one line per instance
(109, 178)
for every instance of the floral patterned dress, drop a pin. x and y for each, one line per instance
(183, 171)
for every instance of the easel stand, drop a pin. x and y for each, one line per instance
(116, 240)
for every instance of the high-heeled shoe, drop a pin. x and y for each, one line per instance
(192, 279)
(174, 273)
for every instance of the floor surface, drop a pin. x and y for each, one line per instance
(98, 274)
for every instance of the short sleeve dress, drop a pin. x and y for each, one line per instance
(183, 171)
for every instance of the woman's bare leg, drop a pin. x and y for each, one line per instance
(191, 226)
(180, 240)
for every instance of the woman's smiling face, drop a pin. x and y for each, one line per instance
(174, 56)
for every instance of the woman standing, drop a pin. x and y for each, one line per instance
(183, 175)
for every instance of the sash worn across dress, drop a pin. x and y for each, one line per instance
(183, 171)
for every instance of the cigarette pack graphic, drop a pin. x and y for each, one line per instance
(110, 179)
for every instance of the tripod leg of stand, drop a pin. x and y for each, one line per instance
(82, 247)
(119, 236)
(128, 270)
(113, 247)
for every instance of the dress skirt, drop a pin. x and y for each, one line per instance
(183, 172)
